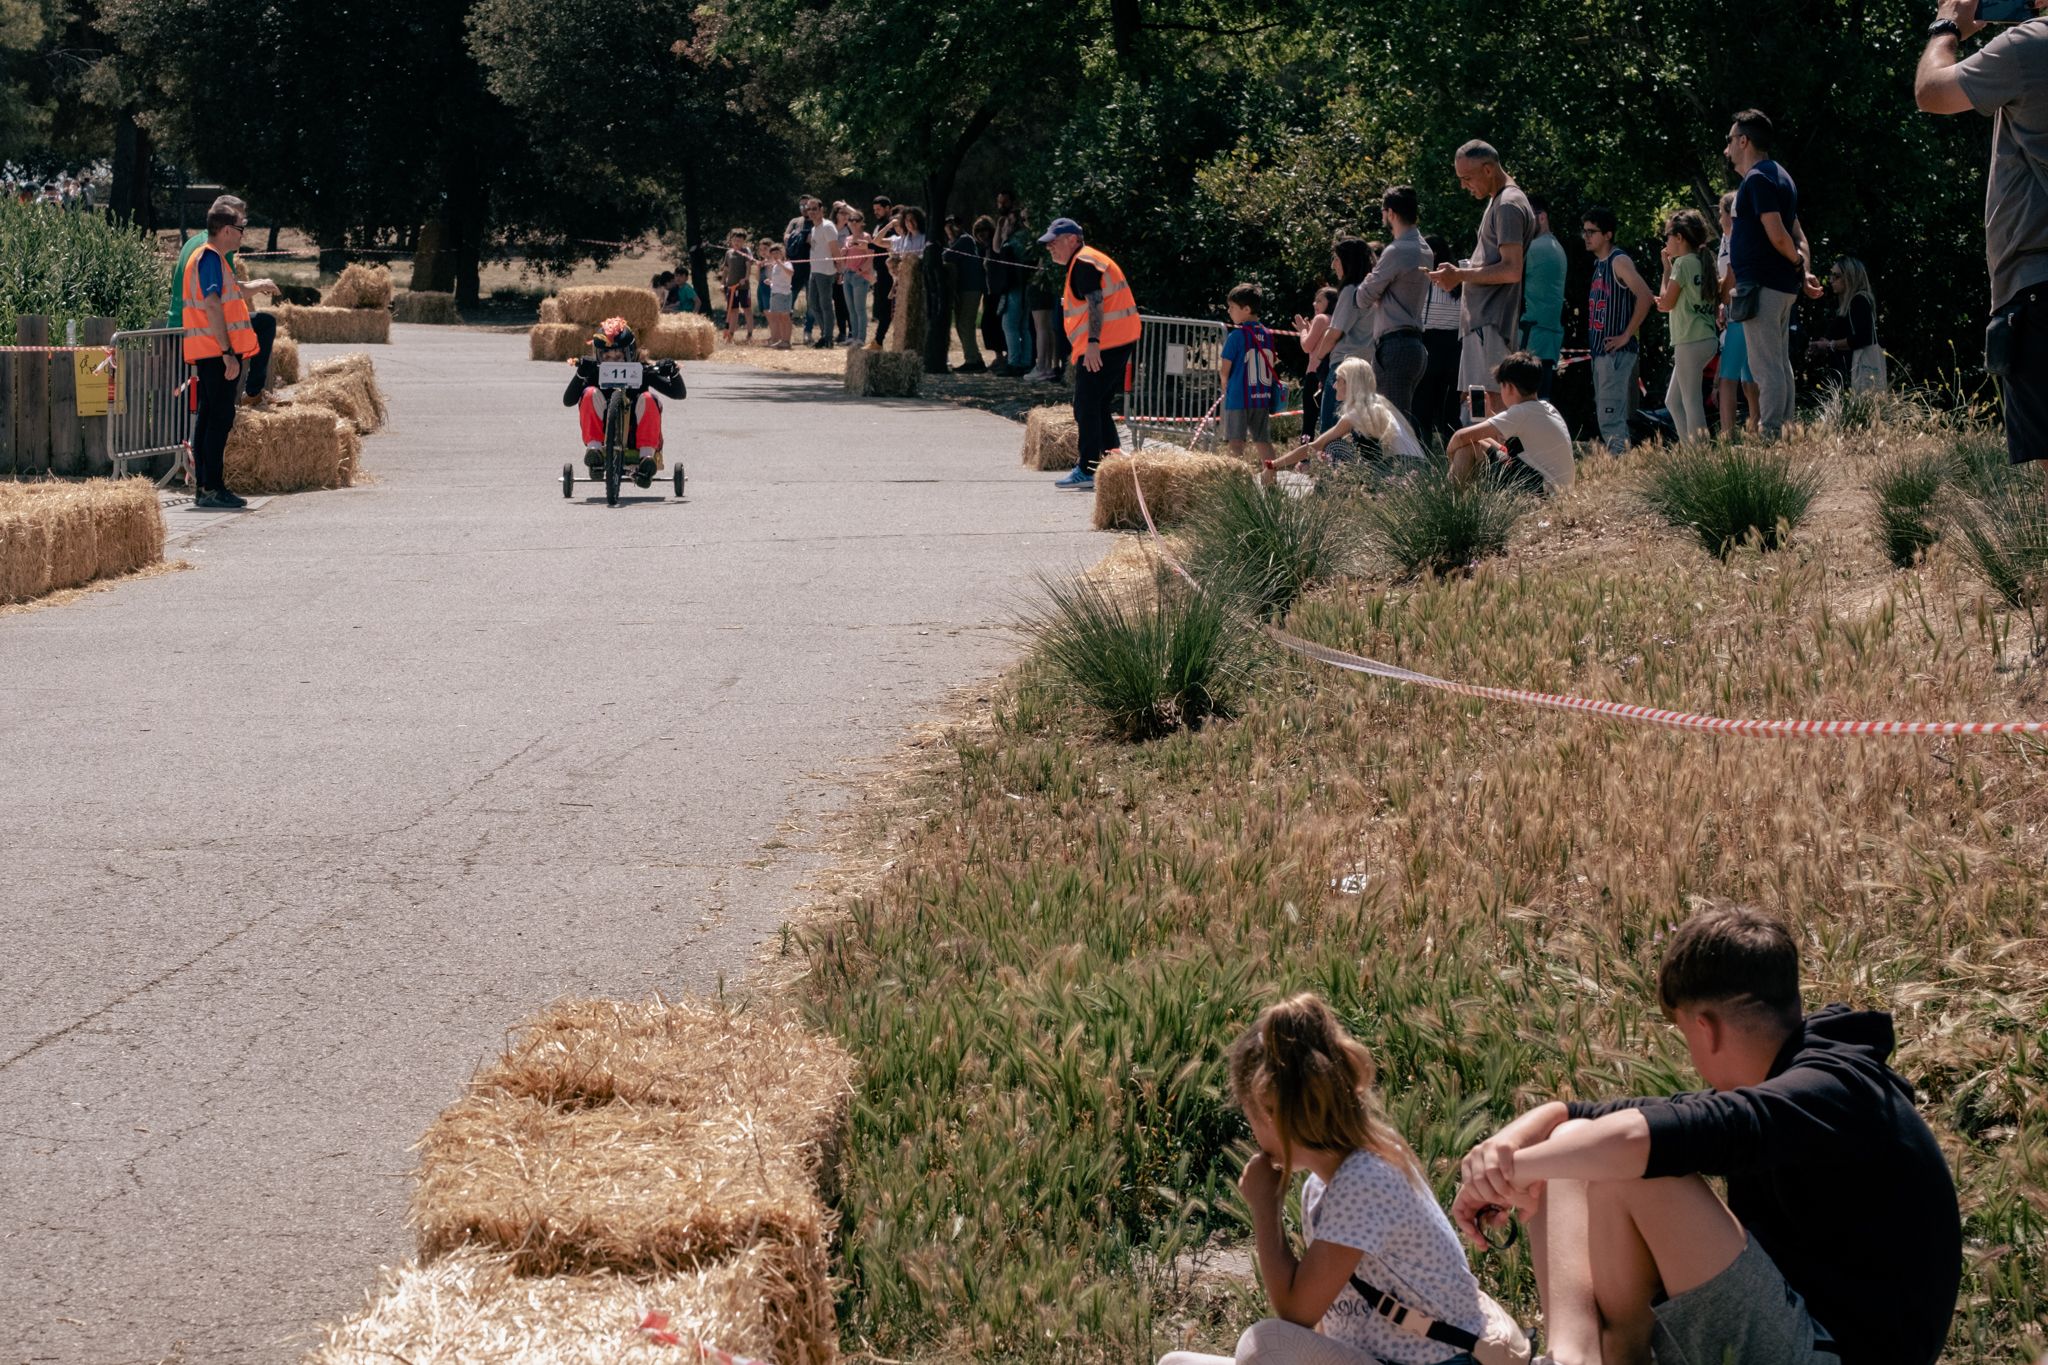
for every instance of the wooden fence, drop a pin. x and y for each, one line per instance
(41, 431)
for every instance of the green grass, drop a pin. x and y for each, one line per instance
(1906, 493)
(1267, 548)
(2003, 538)
(1727, 495)
(71, 266)
(1422, 522)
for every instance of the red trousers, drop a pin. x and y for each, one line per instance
(646, 419)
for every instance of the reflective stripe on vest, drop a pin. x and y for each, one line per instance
(199, 343)
(1120, 325)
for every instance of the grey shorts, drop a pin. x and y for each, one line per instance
(1242, 424)
(779, 303)
(1478, 353)
(1747, 1313)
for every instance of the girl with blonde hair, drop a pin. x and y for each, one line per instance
(1363, 415)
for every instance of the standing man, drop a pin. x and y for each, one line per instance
(1772, 264)
(2007, 78)
(1543, 296)
(1102, 328)
(256, 373)
(1490, 311)
(219, 337)
(1617, 305)
(1397, 290)
(885, 284)
(824, 272)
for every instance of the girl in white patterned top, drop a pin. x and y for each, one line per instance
(1306, 1086)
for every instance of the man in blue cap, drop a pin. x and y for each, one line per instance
(1102, 330)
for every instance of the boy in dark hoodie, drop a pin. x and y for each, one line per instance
(1840, 1243)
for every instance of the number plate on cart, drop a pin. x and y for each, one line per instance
(618, 374)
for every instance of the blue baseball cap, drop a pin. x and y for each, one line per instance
(1061, 227)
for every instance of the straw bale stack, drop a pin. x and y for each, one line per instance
(423, 305)
(336, 326)
(347, 384)
(63, 535)
(284, 362)
(1051, 439)
(590, 304)
(292, 447)
(679, 336)
(557, 341)
(883, 374)
(1172, 483)
(474, 1307)
(907, 332)
(360, 286)
(551, 310)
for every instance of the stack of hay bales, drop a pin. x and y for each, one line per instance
(1173, 482)
(907, 333)
(421, 305)
(551, 310)
(64, 535)
(356, 309)
(557, 341)
(679, 336)
(284, 362)
(621, 1158)
(348, 385)
(564, 330)
(1051, 439)
(311, 435)
(883, 374)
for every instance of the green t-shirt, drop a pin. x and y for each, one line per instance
(1693, 318)
(176, 317)
(1543, 269)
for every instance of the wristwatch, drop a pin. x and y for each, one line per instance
(1947, 26)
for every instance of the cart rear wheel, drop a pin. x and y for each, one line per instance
(679, 478)
(568, 480)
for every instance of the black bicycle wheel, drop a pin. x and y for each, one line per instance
(615, 422)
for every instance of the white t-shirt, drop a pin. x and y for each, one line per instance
(781, 276)
(1406, 1248)
(1546, 441)
(823, 237)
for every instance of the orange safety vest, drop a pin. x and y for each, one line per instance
(1120, 325)
(199, 339)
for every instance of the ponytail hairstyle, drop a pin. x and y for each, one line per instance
(1369, 413)
(1297, 1062)
(1688, 223)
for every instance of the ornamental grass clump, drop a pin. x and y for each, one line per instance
(1727, 495)
(2003, 539)
(1428, 523)
(1266, 548)
(1907, 490)
(1145, 662)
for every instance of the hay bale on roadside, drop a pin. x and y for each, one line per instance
(471, 1306)
(291, 448)
(326, 326)
(590, 304)
(557, 341)
(423, 305)
(1052, 440)
(64, 535)
(1172, 483)
(284, 362)
(347, 384)
(883, 374)
(679, 336)
(906, 334)
(360, 286)
(551, 310)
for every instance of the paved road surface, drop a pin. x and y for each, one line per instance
(289, 840)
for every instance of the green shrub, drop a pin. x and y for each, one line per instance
(1265, 547)
(1727, 494)
(68, 266)
(1171, 658)
(2003, 537)
(1980, 464)
(1906, 492)
(1426, 522)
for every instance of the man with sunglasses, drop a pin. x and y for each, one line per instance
(220, 338)
(256, 373)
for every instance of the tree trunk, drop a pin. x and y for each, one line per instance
(938, 302)
(130, 199)
(433, 264)
(693, 233)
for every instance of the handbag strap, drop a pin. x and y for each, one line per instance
(1413, 1321)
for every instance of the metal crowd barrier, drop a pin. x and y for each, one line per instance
(151, 413)
(1174, 381)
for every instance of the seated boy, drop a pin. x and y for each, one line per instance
(1526, 441)
(1840, 1243)
(613, 340)
(1246, 369)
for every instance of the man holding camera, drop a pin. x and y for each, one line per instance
(2007, 78)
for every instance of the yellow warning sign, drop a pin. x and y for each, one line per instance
(95, 387)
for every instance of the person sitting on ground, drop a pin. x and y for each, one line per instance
(1840, 1243)
(614, 341)
(664, 286)
(1526, 443)
(1248, 374)
(1367, 426)
(1377, 1242)
(685, 292)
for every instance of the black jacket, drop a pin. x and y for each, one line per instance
(659, 375)
(1839, 1179)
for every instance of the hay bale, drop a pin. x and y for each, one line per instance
(679, 336)
(1172, 483)
(360, 286)
(883, 374)
(284, 362)
(336, 326)
(424, 305)
(590, 304)
(557, 341)
(348, 385)
(1052, 439)
(290, 448)
(906, 333)
(551, 310)
(64, 535)
(470, 1307)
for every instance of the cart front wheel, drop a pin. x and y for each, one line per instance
(679, 478)
(568, 480)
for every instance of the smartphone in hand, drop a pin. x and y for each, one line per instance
(2004, 11)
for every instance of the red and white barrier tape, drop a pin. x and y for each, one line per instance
(1648, 715)
(654, 1327)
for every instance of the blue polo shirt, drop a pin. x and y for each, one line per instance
(1768, 188)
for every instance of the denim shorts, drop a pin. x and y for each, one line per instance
(1735, 356)
(1746, 1313)
(779, 303)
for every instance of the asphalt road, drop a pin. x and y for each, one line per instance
(288, 841)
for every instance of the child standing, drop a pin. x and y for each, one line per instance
(1367, 1214)
(781, 277)
(1311, 329)
(1246, 369)
(734, 276)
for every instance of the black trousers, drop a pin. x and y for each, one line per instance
(2024, 387)
(218, 396)
(1095, 393)
(256, 369)
(885, 299)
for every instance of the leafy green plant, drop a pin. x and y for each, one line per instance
(70, 266)
(1906, 493)
(1266, 547)
(1146, 663)
(1427, 522)
(1727, 494)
